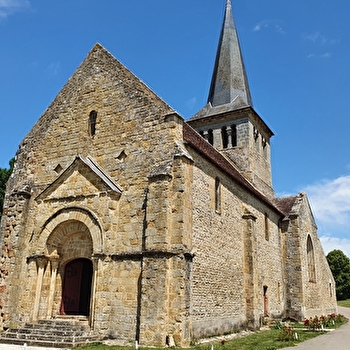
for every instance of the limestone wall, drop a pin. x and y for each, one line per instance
(318, 286)
(232, 262)
(135, 143)
(310, 287)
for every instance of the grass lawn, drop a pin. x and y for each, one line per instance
(344, 303)
(264, 340)
(279, 336)
(261, 340)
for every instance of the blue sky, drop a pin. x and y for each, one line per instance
(296, 53)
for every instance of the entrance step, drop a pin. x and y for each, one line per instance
(62, 332)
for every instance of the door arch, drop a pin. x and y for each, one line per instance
(76, 287)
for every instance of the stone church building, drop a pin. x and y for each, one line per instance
(151, 227)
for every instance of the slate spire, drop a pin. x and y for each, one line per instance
(229, 82)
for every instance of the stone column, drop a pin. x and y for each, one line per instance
(206, 135)
(95, 262)
(41, 263)
(54, 262)
(294, 287)
(229, 138)
(250, 273)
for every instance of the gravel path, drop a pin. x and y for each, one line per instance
(22, 347)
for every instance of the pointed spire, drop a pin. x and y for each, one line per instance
(229, 82)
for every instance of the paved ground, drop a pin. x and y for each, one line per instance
(22, 347)
(335, 340)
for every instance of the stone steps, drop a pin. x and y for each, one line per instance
(62, 333)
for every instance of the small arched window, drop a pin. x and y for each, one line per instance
(224, 136)
(92, 123)
(311, 259)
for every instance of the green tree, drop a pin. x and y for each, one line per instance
(4, 176)
(339, 264)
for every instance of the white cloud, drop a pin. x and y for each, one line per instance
(324, 55)
(313, 36)
(279, 29)
(318, 38)
(331, 243)
(191, 103)
(8, 7)
(330, 202)
(54, 68)
(268, 24)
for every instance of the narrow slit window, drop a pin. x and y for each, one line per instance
(267, 228)
(217, 195)
(92, 123)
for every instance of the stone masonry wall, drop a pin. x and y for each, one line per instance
(306, 296)
(319, 292)
(219, 286)
(136, 136)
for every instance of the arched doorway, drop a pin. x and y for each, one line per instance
(76, 290)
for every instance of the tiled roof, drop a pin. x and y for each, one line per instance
(285, 204)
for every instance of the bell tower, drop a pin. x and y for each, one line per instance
(228, 121)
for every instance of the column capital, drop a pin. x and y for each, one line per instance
(54, 262)
(247, 215)
(54, 259)
(41, 261)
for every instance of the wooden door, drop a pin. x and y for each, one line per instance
(76, 290)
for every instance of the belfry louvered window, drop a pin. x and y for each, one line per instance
(224, 136)
(234, 135)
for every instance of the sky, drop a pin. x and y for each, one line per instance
(296, 54)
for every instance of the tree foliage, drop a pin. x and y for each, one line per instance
(339, 264)
(4, 176)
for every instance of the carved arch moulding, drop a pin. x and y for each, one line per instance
(86, 221)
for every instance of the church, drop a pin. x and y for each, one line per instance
(151, 228)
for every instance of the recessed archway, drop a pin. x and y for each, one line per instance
(51, 229)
